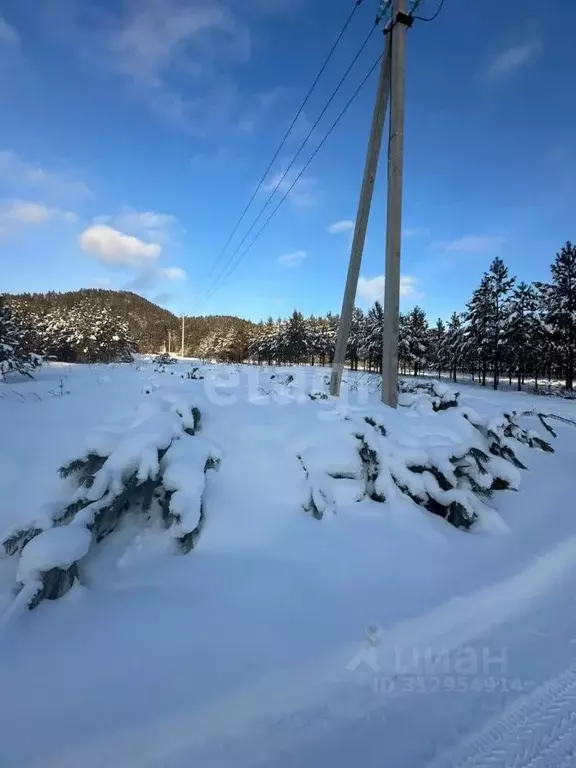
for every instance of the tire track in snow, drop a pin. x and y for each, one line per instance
(231, 716)
(537, 731)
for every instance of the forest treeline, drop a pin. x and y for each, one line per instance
(509, 328)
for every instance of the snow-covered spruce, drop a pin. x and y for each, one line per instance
(48, 565)
(452, 478)
(13, 359)
(183, 470)
(156, 460)
(439, 395)
(195, 373)
(164, 359)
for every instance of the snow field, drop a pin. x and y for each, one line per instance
(241, 652)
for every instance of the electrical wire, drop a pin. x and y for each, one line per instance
(278, 184)
(231, 266)
(224, 277)
(286, 135)
(430, 18)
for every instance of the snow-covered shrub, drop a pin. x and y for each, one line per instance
(317, 394)
(439, 395)
(183, 467)
(158, 460)
(48, 565)
(452, 472)
(503, 432)
(318, 498)
(195, 373)
(332, 456)
(60, 391)
(164, 359)
(285, 379)
(12, 357)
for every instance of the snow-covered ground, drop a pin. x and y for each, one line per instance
(378, 635)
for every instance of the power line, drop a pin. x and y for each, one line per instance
(224, 277)
(430, 18)
(298, 152)
(285, 138)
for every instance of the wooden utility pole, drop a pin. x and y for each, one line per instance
(182, 351)
(400, 22)
(362, 216)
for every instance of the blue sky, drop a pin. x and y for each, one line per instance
(133, 133)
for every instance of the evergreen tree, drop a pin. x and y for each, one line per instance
(522, 328)
(454, 344)
(323, 340)
(437, 347)
(12, 357)
(478, 319)
(355, 338)
(404, 342)
(267, 341)
(332, 322)
(296, 338)
(418, 339)
(372, 344)
(499, 285)
(559, 298)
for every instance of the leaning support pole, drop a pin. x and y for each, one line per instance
(363, 214)
(400, 22)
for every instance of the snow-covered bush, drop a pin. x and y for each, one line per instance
(157, 461)
(195, 373)
(439, 395)
(164, 359)
(48, 565)
(451, 467)
(184, 466)
(13, 359)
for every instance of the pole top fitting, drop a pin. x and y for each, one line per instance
(404, 18)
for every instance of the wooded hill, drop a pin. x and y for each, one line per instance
(148, 324)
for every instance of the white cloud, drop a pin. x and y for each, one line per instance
(113, 247)
(156, 36)
(172, 273)
(304, 193)
(133, 241)
(9, 37)
(372, 289)
(473, 244)
(15, 171)
(147, 278)
(514, 58)
(22, 213)
(293, 259)
(156, 45)
(27, 213)
(416, 232)
(151, 225)
(344, 225)
(179, 58)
